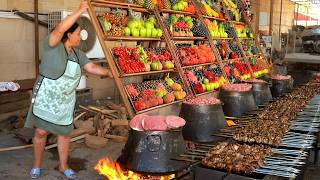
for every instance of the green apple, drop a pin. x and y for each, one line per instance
(127, 31)
(212, 33)
(154, 66)
(143, 32)
(133, 24)
(181, 6)
(168, 65)
(208, 87)
(203, 86)
(184, 3)
(135, 32)
(206, 81)
(212, 86)
(175, 7)
(160, 93)
(149, 25)
(216, 85)
(154, 33)
(149, 32)
(159, 32)
(152, 19)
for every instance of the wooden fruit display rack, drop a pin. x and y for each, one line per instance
(175, 44)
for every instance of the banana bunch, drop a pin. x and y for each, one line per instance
(210, 12)
(234, 9)
(143, 57)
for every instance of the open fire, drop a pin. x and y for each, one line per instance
(112, 170)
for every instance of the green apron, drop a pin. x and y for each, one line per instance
(55, 99)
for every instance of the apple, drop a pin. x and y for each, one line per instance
(147, 67)
(208, 87)
(212, 86)
(206, 81)
(154, 33)
(149, 32)
(152, 19)
(149, 25)
(175, 7)
(160, 93)
(168, 65)
(216, 85)
(180, 6)
(159, 33)
(203, 86)
(143, 32)
(135, 32)
(133, 24)
(127, 31)
(154, 66)
(184, 3)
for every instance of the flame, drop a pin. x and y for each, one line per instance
(113, 171)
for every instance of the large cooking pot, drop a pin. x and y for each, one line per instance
(202, 121)
(237, 103)
(280, 87)
(261, 92)
(150, 152)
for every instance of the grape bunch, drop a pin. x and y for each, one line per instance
(255, 50)
(216, 70)
(230, 31)
(199, 30)
(230, 15)
(235, 48)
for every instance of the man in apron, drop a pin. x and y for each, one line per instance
(54, 97)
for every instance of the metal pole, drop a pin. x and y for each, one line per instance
(36, 36)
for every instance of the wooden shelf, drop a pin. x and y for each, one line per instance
(237, 22)
(176, 12)
(215, 38)
(197, 65)
(201, 94)
(146, 73)
(186, 38)
(123, 6)
(160, 106)
(116, 3)
(247, 38)
(215, 18)
(125, 38)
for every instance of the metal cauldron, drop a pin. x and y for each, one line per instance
(261, 92)
(202, 121)
(236, 103)
(151, 151)
(280, 87)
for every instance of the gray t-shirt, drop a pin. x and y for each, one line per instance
(54, 59)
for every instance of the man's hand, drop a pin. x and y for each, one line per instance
(83, 6)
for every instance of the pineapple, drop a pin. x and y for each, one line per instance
(149, 4)
(139, 2)
(167, 4)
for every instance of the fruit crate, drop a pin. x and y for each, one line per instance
(193, 55)
(179, 6)
(211, 9)
(205, 79)
(149, 95)
(228, 49)
(140, 60)
(125, 24)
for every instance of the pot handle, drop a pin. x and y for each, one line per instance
(153, 143)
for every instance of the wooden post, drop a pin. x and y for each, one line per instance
(36, 36)
(110, 61)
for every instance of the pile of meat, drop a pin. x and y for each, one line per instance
(202, 101)
(254, 80)
(237, 87)
(143, 122)
(235, 157)
(281, 77)
(273, 122)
